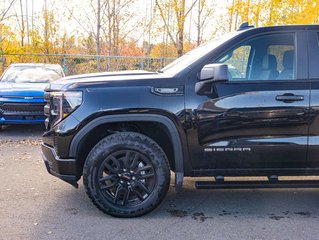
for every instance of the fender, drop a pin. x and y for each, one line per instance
(168, 123)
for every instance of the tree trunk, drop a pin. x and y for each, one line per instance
(198, 23)
(46, 28)
(180, 15)
(3, 60)
(98, 30)
(22, 24)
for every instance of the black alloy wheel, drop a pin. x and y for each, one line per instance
(126, 174)
(126, 177)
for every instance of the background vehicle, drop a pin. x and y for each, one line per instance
(243, 105)
(22, 91)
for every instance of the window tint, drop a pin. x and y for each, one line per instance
(279, 51)
(269, 57)
(237, 62)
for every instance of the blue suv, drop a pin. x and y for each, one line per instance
(22, 92)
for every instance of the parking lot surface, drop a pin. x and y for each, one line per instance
(36, 205)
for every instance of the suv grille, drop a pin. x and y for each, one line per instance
(21, 111)
(25, 107)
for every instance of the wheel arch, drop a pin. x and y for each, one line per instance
(177, 137)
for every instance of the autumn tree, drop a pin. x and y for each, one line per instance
(119, 23)
(105, 20)
(204, 12)
(176, 33)
(5, 34)
(273, 12)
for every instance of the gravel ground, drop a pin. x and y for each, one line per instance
(36, 205)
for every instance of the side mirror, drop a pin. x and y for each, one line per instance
(208, 75)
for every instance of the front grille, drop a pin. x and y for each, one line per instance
(22, 107)
(21, 111)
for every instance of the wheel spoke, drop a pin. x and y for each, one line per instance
(142, 187)
(146, 176)
(138, 194)
(126, 196)
(110, 168)
(116, 162)
(126, 159)
(134, 161)
(107, 178)
(117, 194)
(145, 168)
(108, 186)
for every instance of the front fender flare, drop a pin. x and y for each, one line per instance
(168, 123)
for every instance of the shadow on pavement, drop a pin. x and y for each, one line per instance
(12, 132)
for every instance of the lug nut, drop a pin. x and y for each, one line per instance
(124, 170)
(121, 181)
(131, 171)
(133, 178)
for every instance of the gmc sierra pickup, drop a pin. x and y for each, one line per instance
(245, 104)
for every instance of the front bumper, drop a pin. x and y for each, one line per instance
(64, 169)
(4, 121)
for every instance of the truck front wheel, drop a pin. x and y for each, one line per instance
(126, 174)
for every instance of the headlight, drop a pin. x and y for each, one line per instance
(63, 103)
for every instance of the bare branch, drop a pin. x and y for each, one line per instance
(78, 21)
(190, 8)
(4, 12)
(165, 23)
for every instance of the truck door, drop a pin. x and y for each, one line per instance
(313, 152)
(259, 118)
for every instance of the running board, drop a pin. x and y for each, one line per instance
(257, 184)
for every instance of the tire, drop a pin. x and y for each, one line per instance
(126, 174)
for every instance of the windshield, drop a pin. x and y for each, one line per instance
(195, 54)
(32, 74)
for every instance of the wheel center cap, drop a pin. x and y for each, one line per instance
(126, 177)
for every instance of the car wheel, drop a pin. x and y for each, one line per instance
(126, 174)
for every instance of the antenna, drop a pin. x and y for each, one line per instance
(245, 25)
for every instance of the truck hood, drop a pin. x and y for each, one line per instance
(107, 74)
(125, 78)
(22, 89)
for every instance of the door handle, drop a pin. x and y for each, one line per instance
(289, 97)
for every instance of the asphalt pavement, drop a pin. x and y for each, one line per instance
(36, 205)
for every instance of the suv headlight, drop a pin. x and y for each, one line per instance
(63, 103)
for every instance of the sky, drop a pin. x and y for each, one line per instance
(71, 25)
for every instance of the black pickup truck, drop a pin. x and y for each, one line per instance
(245, 104)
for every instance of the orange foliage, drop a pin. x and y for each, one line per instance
(131, 49)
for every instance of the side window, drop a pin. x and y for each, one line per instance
(268, 57)
(237, 62)
(279, 51)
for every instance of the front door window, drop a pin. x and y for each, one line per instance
(269, 57)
